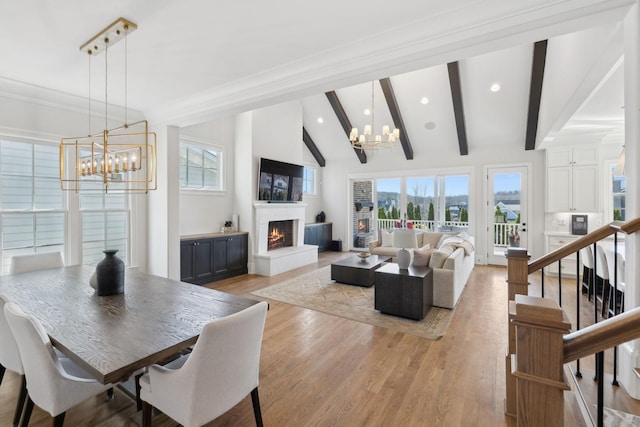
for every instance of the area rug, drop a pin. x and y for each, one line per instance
(317, 291)
(613, 418)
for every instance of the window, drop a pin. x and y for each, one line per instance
(32, 214)
(618, 192)
(105, 225)
(309, 181)
(200, 168)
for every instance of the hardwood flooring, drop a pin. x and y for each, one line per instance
(321, 370)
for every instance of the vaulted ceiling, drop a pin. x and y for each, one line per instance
(195, 60)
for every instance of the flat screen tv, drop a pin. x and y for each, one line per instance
(280, 181)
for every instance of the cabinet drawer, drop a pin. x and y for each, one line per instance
(560, 240)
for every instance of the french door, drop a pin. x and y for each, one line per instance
(507, 205)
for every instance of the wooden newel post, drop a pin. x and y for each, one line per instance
(540, 325)
(518, 283)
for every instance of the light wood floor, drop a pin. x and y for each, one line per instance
(321, 370)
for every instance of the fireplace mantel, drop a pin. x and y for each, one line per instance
(269, 263)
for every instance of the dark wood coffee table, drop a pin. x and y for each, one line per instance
(354, 270)
(404, 293)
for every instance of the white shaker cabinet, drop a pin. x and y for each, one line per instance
(572, 179)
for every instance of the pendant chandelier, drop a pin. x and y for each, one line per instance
(120, 159)
(367, 141)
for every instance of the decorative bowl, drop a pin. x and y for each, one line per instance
(364, 255)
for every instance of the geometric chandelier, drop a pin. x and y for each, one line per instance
(121, 159)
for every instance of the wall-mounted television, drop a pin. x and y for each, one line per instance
(280, 181)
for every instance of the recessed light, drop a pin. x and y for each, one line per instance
(367, 112)
(320, 120)
(430, 125)
(495, 87)
(424, 100)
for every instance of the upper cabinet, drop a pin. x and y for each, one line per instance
(572, 179)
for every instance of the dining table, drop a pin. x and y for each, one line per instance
(112, 337)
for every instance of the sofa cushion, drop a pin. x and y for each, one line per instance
(386, 238)
(439, 256)
(431, 238)
(422, 256)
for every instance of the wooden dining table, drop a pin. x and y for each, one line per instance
(111, 337)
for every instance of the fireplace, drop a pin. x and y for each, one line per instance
(363, 225)
(280, 234)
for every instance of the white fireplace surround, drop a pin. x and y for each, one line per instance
(270, 263)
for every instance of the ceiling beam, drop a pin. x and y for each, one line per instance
(390, 96)
(535, 93)
(344, 121)
(458, 110)
(312, 147)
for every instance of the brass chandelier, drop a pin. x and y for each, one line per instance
(367, 141)
(121, 159)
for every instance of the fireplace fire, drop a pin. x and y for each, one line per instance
(280, 234)
(363, 225)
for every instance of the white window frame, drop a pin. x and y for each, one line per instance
(32, 211)
(191, 142)
(314, 180)
(609, 165)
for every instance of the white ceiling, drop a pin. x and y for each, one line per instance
(196, 60)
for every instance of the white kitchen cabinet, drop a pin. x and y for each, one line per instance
(572, 179)
(568, 265)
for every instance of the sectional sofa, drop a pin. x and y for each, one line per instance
(451, 255)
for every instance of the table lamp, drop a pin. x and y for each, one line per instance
(404, 238)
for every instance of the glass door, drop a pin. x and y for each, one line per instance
(506, 211)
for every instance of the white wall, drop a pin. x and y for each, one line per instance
(315, 204)
(204, 212)
(336, 186)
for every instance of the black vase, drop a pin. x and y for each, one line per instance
(322, 216)
(110, 274)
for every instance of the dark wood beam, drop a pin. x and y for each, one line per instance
(344, 121)
(390, 96)
(458, 110)
(312, 147)
(535, 93)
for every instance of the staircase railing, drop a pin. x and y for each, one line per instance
(539, 338)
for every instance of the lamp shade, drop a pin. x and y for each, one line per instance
(405, 238)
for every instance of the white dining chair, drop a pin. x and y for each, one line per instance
(222, 369)
(586, 256)
(33, 262)
(602, 279)
(10, 359)
(615, 262)
(54, 384)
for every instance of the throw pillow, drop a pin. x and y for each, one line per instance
(387, 238)
(439, 256)
(422, 256)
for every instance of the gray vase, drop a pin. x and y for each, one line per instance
(110, 274)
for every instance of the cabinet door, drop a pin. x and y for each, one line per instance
(186, 261)
(560, 156)
(203, 255)
(585, 155)
(325, 239)
(559, 194)
(585, 189)
(235, 252)
(307, 235)
(220, 257)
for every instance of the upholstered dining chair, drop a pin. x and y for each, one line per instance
(602, 278)
(222, 369)
(54, 384)
(10, 359)
(33, 262)
(586, 256)
(615, 262)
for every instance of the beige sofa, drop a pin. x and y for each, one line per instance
(452, 262)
